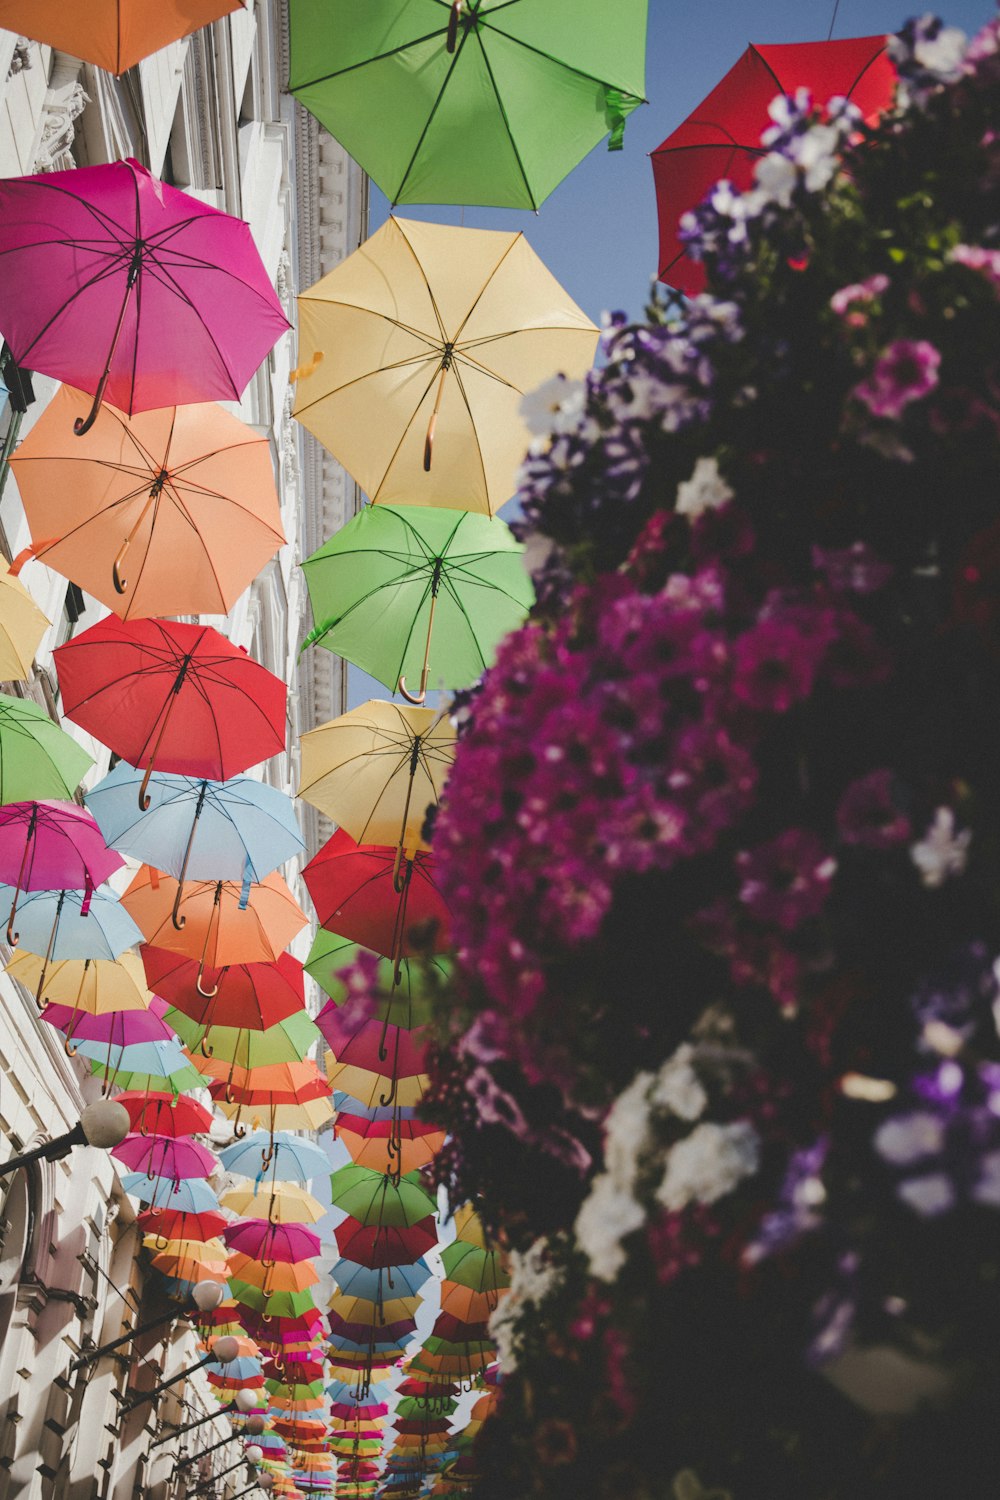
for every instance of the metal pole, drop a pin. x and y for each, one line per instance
(176, 1432)
(126, 1338)
(143, 1396)
(47, 1151)
(194, 1457)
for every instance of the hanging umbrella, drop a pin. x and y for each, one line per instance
(407, 1004)
(279, 1203)
(432, 330)
(165, 1156)
(371, 1198)
(481, 1270)
(167, 1224)
(22, 626)
(173, 694)
(37, 758)
(114, 1029)
(170, 1069)
(221, 923)
(290, 1158)
(385, 1245)
(361, 1310)
(244, 998)
(72, 924)
(344, 1334)
(163, 1114)
(481, 103)
(263, 1083)
(464, 1302)
(239, 829)
(125, 287)
(721, 138)
(376, 769)
(92, 986)
(272, 1242)
(377, 1061)
(171, 512)
(309, 1114)
(190, 1267)
(406, 1147)
(353, 887)
(274, 1304)
(111, 34)
(420, 593)
(280, 1276)
(189, 1195)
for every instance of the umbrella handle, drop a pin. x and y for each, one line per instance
(452, 39)
(121, 584)
(208, 994)
(48, 951)
(206, 1051)
(83, 425)
(424, 671)
(143, 799)
(445, 367)
(13, 936)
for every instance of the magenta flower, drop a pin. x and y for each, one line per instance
(869, 815)
(786, 881)
(904, 372)
(775, 666)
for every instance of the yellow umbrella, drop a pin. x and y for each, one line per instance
(363, 1084)
(376, 769)
(22, 626)
(361, 1310)
(310, 1114)
(93, 986)
(205, 1250)
(416, 351)
(283, 1203)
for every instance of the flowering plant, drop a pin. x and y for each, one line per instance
(720, 843)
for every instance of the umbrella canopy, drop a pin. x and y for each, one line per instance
(123, 286)
(168, 1224)
(91, 985)
(377, 769)
(272, 1242)
(385, 1245)
(721, 138)
(111, 34)
(22, 626)
(290, 1158)
(361, 1310)
(353, 887)
(221, 924)
(165, 1156)
(486, 103)
(164, 1115)
(239, 829)
(416, 352)
(379, 1144)
(278, 1203)
(310, 1114)
(247, 999)
(482, 1270)
(37, 758)
(55, 922)
(377, 1062)
(404, 1003)
(168, 1068)
(115, 1029)
(173, 694)
(171, 512)
(51, 846)
(285, 1082)
(283, 1276)
(372, 1198)
(189, 1195)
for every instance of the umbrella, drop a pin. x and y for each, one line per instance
(280, 1276)
(163, 1114)
(115, 1029)
(189, 1195)
(167, 1224)
(370, 1197)
(239, 829)
(93, 986)
(376, 769)
(478, 103)
(344, 1333)
(385, 1147)
(330, 955)
(165, 1156)
(72, 924)
(479, 1269)
(37, 758)
(273, 1304)
(432, 329)
(377, 1060)
(721, 138)
(221, 923)
(247, 999)
(22, 626)
(353, 887)
(180, 695)
(45, 846)
(464, 1302)
(309, 1114)
(385, 1245)
(169, 1070)
(288, 1158)
(111, 34)
(190, 1267)
(272, 1242)
(278, 1203)
(171, 512)
(362, 1310)
(125, 287)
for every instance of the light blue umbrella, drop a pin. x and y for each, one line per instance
(375, 1284)
(158, 1059)
(53, 923)
(243, 1367)
(351, 1106)
(191, 1195)
(283, 1156)
(380, 1346)
(238, 829)
(343, 1393)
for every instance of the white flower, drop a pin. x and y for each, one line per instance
(941, 852)
(705, 490)
(556, 406)
(503, 1326)
(777, 178)
(928, 1195)
(532, 1275)
(944, 54)
(815, 154)
(625, 1132)
(677, 1086)
(987, 1189)
(606, 1216)
(906, 1138)
(709, 1163)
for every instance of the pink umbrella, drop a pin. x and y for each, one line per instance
(51, 846)
(163, 1156)
(123, 286)
(118, 1028)
(268, 1242)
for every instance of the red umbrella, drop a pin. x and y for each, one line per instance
(721, 138)
(268, 1242)
(119, 284)
(377, 1245)
(179, 696)
(48, 846)
(372, 1045)
(355, 896)
(175, 1224)
(250, 996)
(358, 1332)
(165, 1114)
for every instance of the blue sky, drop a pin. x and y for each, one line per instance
(597, 232)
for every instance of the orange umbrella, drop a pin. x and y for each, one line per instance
(274, 1276)
(169, 512)
(112, 34)
(466, 1303)
(216, 925)
(386, 1145)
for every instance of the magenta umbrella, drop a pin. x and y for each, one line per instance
(268, 1242)
(166, 1156)
(125, 287)
(118, 1028)
(51, 846)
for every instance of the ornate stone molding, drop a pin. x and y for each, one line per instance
(23, 57)
(65, 102)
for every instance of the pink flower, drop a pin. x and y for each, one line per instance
(904, 372)
(868, 814)
(786, 881)
(845, 303)
(775, 666)
(978, 258)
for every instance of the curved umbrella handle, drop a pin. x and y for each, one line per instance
(120, 583)
(452, 40)
(416, 698)
(208, 994)
(84, 424)
(179, 921)
(206, 1051)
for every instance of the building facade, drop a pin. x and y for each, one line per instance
(210, 116)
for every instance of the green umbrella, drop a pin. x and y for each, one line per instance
(178, 1082)
(470, 1266)
(277, 1304)
(38, 760)
(372, 1198)
(407, 592)
(486, 101)
(287, 1041)
(407, 1005)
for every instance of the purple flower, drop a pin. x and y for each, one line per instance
(786, 881)
(869, 815)
(495, 1105)
(848, 298)
(774, 666)
(904, 372)
(852, 570)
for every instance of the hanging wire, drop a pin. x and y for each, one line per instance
(833, 19)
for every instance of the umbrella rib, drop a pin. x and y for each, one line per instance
(580, 73)
(103, 275)
(429, 121)
(399, 364)
(503, 114)
(170, 284)
(482, 292)
(367, 61)
(485, 370)
(404, 435)
(430, 292)
(371, 312)
(110, 225)
(472, 423)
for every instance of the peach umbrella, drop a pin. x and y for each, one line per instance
(111, 34)
(169, 512)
